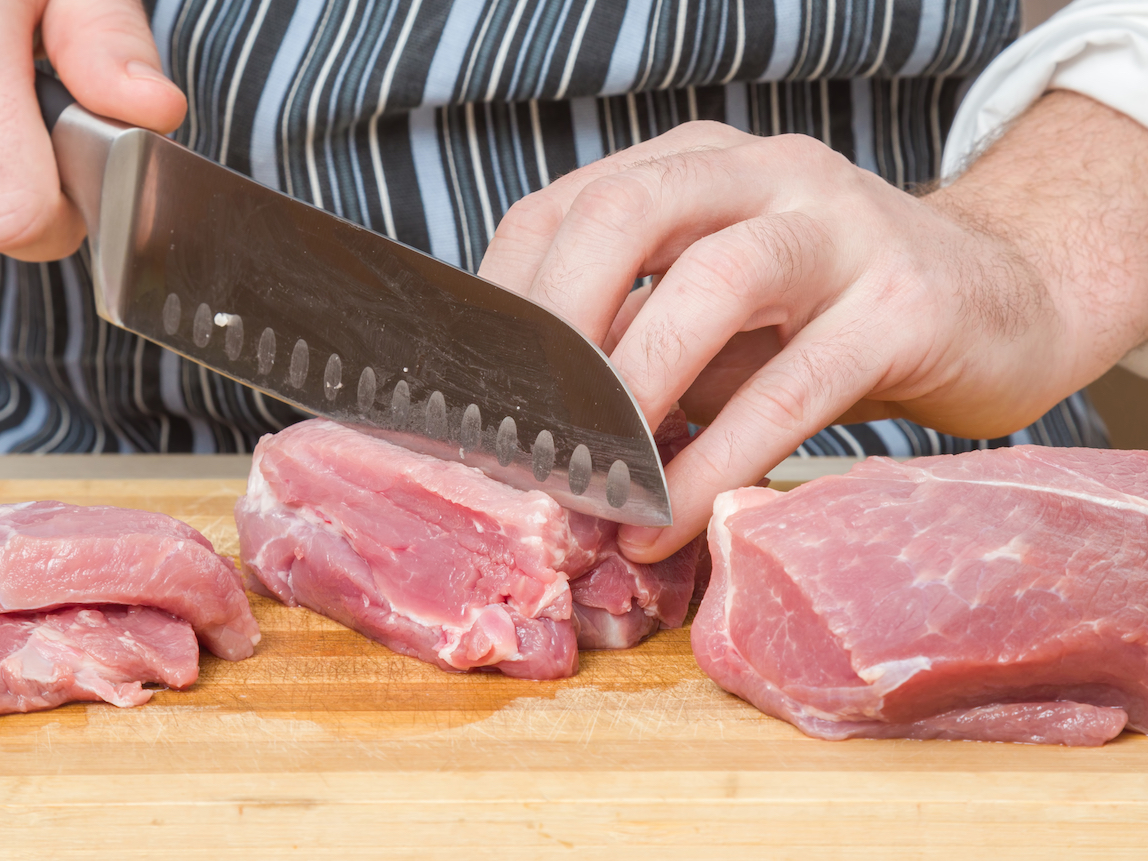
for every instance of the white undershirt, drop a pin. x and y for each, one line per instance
(1098, 48)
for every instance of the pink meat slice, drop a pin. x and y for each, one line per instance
(998, 595)
(619, 602)
(433, 558)
(53, 554)
(92, 653)
(429, 557)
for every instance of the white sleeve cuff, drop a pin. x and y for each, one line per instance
(1095, 47)
(1098, 48)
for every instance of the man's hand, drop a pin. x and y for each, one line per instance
(795, 290)
(105, 55)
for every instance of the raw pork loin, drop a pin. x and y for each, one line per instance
(997, 595)
(52, 554)
(437, 561)
(92, 653)
(54, 557)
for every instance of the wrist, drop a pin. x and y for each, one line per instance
(1066, 187)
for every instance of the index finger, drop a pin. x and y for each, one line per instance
(528, 229)
(832, 363)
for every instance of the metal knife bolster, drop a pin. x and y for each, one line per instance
(347, 324)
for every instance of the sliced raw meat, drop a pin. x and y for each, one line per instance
(52, 554)
(92, 653)
(618, 602)
(998, 595)
(431, 558)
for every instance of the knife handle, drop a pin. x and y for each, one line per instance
(85, 144)
(82, 142)
(53, 98)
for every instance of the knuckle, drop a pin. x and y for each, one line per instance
(772, 253)
(671, 170)
(804, 392)
(794, 148)
(825, 166)
(779, 399)
(795, 244)
(781, 245)
(721, 262)
(614, 202)
(555, 283)
(535, 215)
(802, 147)
(700, 167)
(705, 133)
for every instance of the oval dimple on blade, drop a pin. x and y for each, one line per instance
(201, 325)
(401, 405)
(506, 443)
(581, 470)
(470, 433)
(542, 456)
(366, 392)
(265, 352)
(436, 416)
(297, 372)
(171, 314)
(232, 335)
(333, 377)
(618, 484)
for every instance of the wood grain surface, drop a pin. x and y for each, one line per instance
(326, 745)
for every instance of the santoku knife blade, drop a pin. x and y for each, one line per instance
(345, 323)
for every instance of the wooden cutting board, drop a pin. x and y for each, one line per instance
(326, 745)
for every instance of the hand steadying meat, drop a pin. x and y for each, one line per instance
(796, 290)
(105, 55)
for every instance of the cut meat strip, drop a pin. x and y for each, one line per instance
(433, 558)
(619, 602)
(998, 595)
(92, 653)
(52, 554)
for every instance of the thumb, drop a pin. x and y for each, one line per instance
(106, 57)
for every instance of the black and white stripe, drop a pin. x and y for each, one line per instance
(427, 119)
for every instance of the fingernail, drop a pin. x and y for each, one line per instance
(144, 72)
(640, 537)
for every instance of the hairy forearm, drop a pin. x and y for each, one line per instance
(1066, 187)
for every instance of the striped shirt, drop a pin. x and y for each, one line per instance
(426, 119)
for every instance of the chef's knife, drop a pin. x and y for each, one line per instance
(348, 324)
